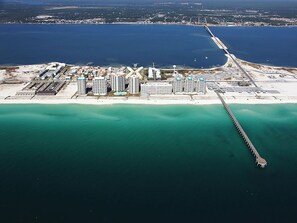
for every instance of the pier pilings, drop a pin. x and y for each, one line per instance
(258, 159)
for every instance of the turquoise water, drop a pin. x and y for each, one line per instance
(133, 163)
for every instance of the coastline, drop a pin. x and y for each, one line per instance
(287, 92)
(139, 23)
(124, 101)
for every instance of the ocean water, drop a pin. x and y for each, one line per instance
(267, 45)
(165, 45)
(136, 163)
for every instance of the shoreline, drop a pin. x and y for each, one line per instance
(178, 69)
(137, 23)
(285, 85)
(123, 101)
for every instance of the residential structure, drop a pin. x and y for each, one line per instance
(99, 86)
(81, 85)
(154, 73)
(178, 85)
(155, 88)
(118, 82)
(134, 84)
(189, 85)
(201, 86)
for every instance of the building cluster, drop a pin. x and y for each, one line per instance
(189, 85)
(48, 81)
(53, 71)
(117, 84)
(42, 88)
(154, 74)
(121, 84)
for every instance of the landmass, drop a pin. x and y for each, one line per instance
(233, 13)
(274, 85)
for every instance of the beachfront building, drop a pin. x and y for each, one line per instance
(81, 85)
(118, 82)
(201, 86)
(189, 85)
(178, 85)
(156, 88)
(99, 86)
(154, 73)
(134, 84)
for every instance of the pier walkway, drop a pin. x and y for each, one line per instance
(259, 160)
(222, 46)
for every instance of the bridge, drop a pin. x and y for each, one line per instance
(222, 46)
(259, 160)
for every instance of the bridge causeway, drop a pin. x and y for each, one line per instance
(231, 56)
(259, 160)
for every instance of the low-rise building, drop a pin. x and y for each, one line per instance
(154, 73)
(155, 88)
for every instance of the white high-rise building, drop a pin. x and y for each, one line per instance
(189, 85)
(117, 82)
(134, 84)
(178, 85)
(99, 86)
(201, 86)
(81, 85)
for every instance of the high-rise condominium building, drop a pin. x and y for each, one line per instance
(189, 85)
(134, 84)
(201, 86)
(178, 85)
(117, 82)
(99, 86)
(81, 85)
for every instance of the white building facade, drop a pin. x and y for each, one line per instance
(156, 88)
(118, 82)
(178, 85)
(189, 85)
(201, 86)
(81, 85)
(99, 86)
(134, 84)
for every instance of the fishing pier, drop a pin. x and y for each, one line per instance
(259, 160)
